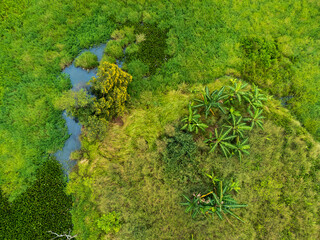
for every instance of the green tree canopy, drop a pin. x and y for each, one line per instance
(110, 89)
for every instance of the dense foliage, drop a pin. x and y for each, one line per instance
(216, 202)
(110, 90)
(228, 129)
(30, 61)
(43, 207)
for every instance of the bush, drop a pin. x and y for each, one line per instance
(137, 69)
(265, 65)
(132, 49)
(110, 89)
(114, 49)
(109, 222)
(77, 104)
(95, 128)
(86, 60)
(179, 154)
(152, 49)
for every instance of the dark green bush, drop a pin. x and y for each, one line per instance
(137, 69)
(152, 50)
(264, 64)
(179, 155)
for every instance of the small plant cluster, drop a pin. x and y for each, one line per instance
(126, 42)
(86, 60)
(231, 112)
(142, 46)
(110, 223)
(218, 201)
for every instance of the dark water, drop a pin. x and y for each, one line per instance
(284, 100)
(79, 79)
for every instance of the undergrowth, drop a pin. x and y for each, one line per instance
(142, 173)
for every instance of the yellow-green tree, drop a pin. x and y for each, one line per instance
(110, 89)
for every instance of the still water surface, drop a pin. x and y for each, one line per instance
(79, 79)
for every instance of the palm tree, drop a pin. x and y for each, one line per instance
(193, 122)
(222, 140)
(255, 117)
(211, 100)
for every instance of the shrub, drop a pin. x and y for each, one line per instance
(132, 49)
(118, 34)
(86, 60)
(78, 104)
(109, 222)
(110, 89)
(137, 69)
(264, 64)
(95, 128)
(152, 49)
(180, 152)
(114, 49)
(216, 202)
(140, 38)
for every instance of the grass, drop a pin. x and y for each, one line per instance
(130, 173)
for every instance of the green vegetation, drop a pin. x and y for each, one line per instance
(142, 169)
(217, 202)
(109, 223)
(133, 171)
(76, 103)
(43, 207)
(86, 60)
(108, 101)
(226, 110)
(110, 89)
(30, 126)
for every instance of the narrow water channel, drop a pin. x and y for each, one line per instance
(79, 79)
